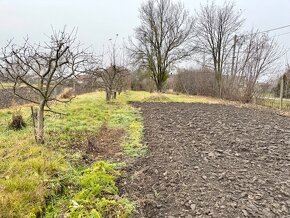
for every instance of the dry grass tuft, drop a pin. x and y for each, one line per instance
(157, 97)
(17, 122)
(67, 93)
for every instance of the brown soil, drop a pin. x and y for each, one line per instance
(211, 161)
(106, 144)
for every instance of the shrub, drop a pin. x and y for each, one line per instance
(17, 122)
(195, 82)
(67, 93)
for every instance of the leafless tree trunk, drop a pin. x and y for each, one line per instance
(216, 27)
(43, 68)
(40, 123)
(163, 39)
(108, 95)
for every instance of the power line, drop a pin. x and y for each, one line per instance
(284, 34)
(269, 30)
(278, 28)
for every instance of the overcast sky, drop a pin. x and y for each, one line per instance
(99, 20)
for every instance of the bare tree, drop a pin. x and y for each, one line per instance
(42, 68)
(113, 75)
(216, 28)
(113, 79)
(163, 39)
(256, 57)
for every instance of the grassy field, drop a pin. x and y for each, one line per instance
(273, 103)
(6, 85)
(34, 178)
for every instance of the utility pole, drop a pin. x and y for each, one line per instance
(234, 54)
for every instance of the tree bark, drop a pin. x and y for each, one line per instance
(108, 95)
(219, 83)
(40, 124)
(159, 86)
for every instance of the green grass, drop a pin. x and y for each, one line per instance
(7, 85)
(25, 169)
(267, 95)
(273, 103)
(97, 195)
(30, 173)
(167, 97)
(91, 192)
(87, 113)
(32, 176)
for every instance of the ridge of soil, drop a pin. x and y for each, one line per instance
(209, 160)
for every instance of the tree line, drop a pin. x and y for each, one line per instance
(230, 59)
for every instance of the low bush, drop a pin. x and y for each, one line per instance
(67, 93)
(17, 122)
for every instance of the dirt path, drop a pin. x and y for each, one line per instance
(211, 161)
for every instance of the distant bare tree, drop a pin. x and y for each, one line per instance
(163, 39)
(113, 75)
(113, 79)
(42, 68)
(216, 28)
(256, 57)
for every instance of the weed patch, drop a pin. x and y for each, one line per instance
(96, 195)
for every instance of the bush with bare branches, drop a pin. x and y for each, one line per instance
(195, 82)
(67, 93)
